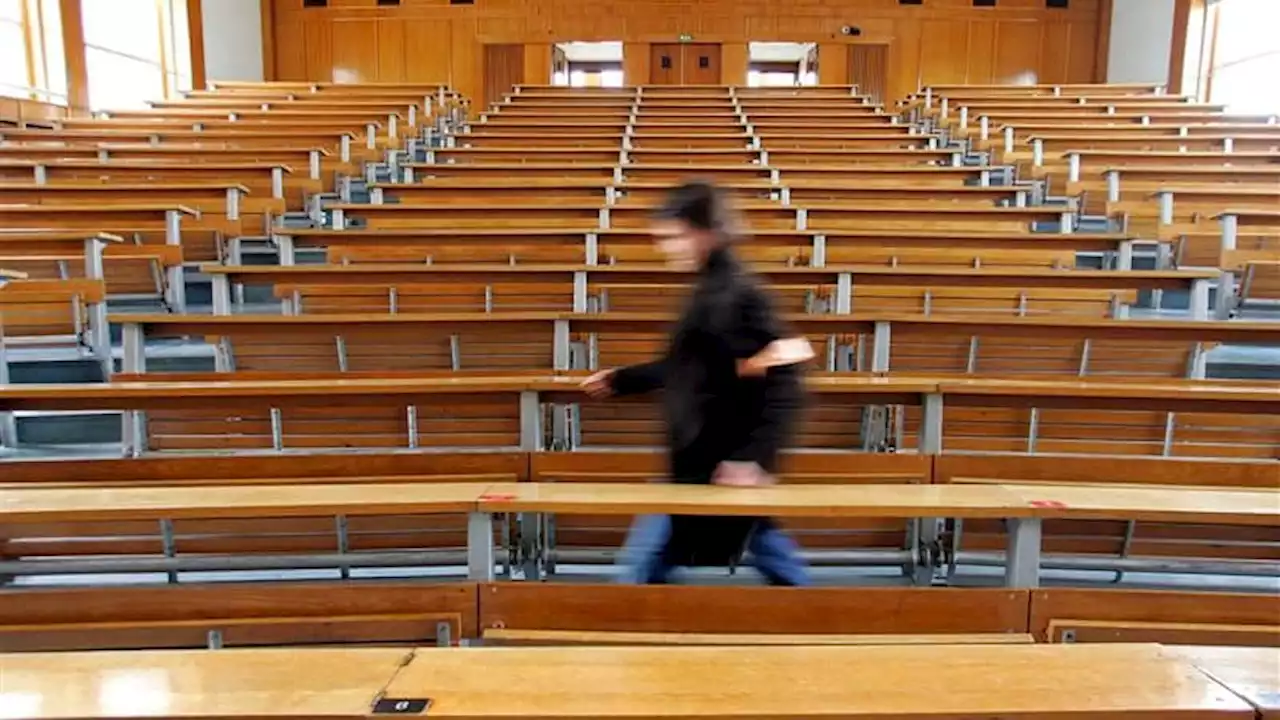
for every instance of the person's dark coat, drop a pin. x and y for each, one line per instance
(713, 414)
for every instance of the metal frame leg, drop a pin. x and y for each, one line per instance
(8, 422)
(480, 555)
(931, 425)
(1022, 560)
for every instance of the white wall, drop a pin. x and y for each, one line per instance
(232, 39)
(1141, 38)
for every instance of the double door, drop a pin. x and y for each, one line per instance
(684, 64)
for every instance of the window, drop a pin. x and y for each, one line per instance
(136, 51)
(32, 61)
(1246, 57)
(14, 73)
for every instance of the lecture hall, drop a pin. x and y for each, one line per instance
(326, 328)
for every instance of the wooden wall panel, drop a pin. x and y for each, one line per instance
(1055, 53)
(355, 51)
(1017, 52)
(428, 51)
(941, 41)
(904, 62)
(735, 62)
(392, 62)
(635, 63)
(466, 67)
(980, 65)
(944, 48)
(833, 64)
(290, 61)
(319, 49)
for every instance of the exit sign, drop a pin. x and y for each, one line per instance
(686, 37)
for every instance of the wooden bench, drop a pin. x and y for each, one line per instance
(578, 539)
(304, 137)
(390, 120)
(270, 186)
(160, 223)
(1043, 146)
(619, 246)
(128, 269)
(237, 616)
(1023, 132)
(370, 136)
(1063, 502)
(386, 540)
(859, 342)
(321, 168)
(836, 288)
(219, 205)
(443, 399)
(573, 192)
(1077, 160)
(54, 313)
(481, 500)
(1005, 122)
(514, 171)
(1137, 181)
(814, 214)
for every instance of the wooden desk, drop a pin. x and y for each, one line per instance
(1022, 682)
(213, 685)
(1251, 673)
(1152, 504)
(827, 501)
(90, 504)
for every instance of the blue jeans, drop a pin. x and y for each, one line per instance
(772, 552)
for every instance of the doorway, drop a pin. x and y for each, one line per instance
(684, 64)
(503, 70)
(782, 64)
(587, 64)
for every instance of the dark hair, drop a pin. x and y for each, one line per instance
(701, 205)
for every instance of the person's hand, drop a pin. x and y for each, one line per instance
(741, 474)
(787, 351)
(599, 385)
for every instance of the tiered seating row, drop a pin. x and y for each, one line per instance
(1165, 168)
